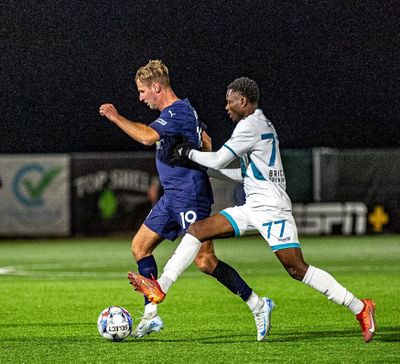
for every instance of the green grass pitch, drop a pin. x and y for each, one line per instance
(52, 292)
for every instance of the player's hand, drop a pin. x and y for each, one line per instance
(183, 150)
(180, 152)
(110, 112)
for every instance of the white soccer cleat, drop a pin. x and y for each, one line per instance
(263, 319)
(147, 325)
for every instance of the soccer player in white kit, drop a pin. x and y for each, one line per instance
(255, 144)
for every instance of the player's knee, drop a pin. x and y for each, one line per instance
(138, 251)
(197, 229)
(135, 251)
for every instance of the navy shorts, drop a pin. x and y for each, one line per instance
(170, 219)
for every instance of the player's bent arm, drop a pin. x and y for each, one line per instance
(215, 160)
(138, 131)
(226, 174)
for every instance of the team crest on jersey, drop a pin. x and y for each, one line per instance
(161, 121)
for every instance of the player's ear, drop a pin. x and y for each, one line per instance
(156, 87)
(244, 101)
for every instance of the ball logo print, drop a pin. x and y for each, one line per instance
(31, 181)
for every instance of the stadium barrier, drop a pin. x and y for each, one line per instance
(34, 195)
(370, 176)
(333, 192)
(109, 192)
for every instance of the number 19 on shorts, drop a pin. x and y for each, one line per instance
(187, 218)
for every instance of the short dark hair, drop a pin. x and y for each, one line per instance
(246, 87)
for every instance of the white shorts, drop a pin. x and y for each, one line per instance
(278, 228)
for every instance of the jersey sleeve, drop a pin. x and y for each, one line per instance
(171, 121)
(242, 140)
(215, 160)
(162, 125)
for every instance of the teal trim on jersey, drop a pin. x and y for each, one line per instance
(257, 174)
(242, 164)
(273, 153)
(231, 150)
(285, 246)
(242, 167)
(233, 222)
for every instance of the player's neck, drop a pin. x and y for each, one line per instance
(250, 109)
(167, 98)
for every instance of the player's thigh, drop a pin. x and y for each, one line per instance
(213, 227)
(163, 221)
(232, 221)
(144, 242)
(189, 213)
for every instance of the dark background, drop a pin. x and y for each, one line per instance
(328, 70)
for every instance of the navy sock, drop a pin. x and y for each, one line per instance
(231, 279)
(148, 268)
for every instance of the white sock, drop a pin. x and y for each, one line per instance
(180, 260)
(356, 305)
(254, 302)
(165, 282)
(150, 310)
(323, 282)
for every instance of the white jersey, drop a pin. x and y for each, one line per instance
(268, 208)
(255, 143)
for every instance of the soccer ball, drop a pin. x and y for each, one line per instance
(114, 323)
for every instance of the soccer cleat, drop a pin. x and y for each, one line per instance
(148, 287)
(263, 319)
(366, 318)
(147, 325)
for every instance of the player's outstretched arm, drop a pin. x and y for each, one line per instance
(214, 160)
(138, 131)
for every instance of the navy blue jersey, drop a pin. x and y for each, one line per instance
(176, 123)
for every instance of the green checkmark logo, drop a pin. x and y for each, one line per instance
(36, 189)
(31, 181)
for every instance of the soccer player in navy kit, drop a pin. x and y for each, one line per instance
(187, 191)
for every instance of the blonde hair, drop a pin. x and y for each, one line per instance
(154, 71)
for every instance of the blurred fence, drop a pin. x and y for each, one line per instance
(333, 192)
